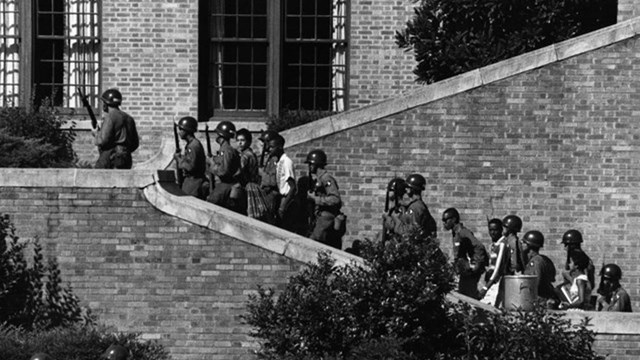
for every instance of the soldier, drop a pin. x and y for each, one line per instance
(117, 138)
(116, 352)
(326, 197)
(279, 183)
(224, 167)
(512, 225)
(498, 263)
(612, 296)
(416, 215)
(396, 189)
(256, 206)
(572, 240)
(469, 255)
(539, 265)
(192, 160)
(41, 356)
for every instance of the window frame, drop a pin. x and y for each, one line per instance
(27, 39)
(275, 63)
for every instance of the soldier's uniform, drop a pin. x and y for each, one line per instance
(117, 138)
(618, 301)
(192, 162)
(470, 260)
(224, 166)
(542, 267)
(327, 207)
(516, 262)
(416, 215)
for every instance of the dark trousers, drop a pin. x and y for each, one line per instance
(324, 231)
(114, 159)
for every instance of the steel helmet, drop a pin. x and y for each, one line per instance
(611, 271)
(268, 135)
(316, 157)
(416, 181)
(112, 97)
(396, 185)
(116, 352)
(572, 237)
(533, 238)
(512, 222)
(41, 356)
(188, 124)
(226, 129)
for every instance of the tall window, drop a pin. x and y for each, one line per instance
(57, 51)
(265, 56)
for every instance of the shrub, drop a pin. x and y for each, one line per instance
(75, 342)
(35, 138)
(33, 297)
(394, 302)
(288, 119)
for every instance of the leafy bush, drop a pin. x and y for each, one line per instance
(395, 303)
(451, 37)
(34, 138)
(76, 342)
(539, 334)
(393, 307)
(288, 119)
(33, 297)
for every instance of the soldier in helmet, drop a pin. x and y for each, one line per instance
(41, 356)
(539, 265)
(612, 296)
(416, 215)
(117, 137)
(279, 183)
(116, 352)
(512, 225)
(225, 168)
(572, 240)
(325, 195)
(396, 190)
(469, 255)
(192, 160)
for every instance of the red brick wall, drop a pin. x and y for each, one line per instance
(143, 271)
(558, 146)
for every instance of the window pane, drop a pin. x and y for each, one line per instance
(9, 54)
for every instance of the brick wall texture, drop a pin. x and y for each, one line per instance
(142, 271)
(628, 9)
(557, 146)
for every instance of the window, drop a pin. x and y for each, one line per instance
(49, 48)
(264, 56)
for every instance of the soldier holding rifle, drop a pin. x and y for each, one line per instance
(191, 162)
(224, 167)
(117, 138)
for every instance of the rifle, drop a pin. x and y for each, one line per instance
(264, 151)
(210, 175)
(85, 103)
(179, 174)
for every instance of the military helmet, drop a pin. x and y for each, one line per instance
(226, 129)
(316, 157)
(512, 222)
(188, 124)
(396, 185)
(268, 135)
(416, 182)
(533, 238)
(41, 356)
(572, 237)
(112, 97)
(611, 271)
(116, 352)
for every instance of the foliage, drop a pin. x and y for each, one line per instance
(33, 297)
(34, 138)
(393, 305)
(451, 37)
(539, 334)
(75, 342)
(288, 119)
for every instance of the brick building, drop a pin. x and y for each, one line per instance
(551, 135)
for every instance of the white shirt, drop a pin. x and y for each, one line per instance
(284, 172)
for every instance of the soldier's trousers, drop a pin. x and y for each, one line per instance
(468, 285)
(193, 186)
(323, 230)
